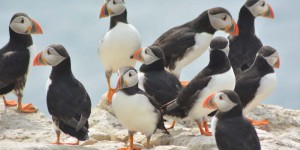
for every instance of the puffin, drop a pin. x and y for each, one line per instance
(119, 43)
(216, 76)
(67, 100)
(135, 109)
(16, 59)
(183, 44)
(231, 130)
(243, 48)
(153, 78)
(258, 82)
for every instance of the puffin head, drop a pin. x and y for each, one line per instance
(52, 55)
(223, 101)
(112, 8)
(259, 8)
(128, 77)
(270, 55)
(148, 55)
(221, 19)
(220, 43)
(21, 23)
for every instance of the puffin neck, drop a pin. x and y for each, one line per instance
(131, 90)
(218, 59)
(158, 65)
(246, 22)
(61, 70)
(24, 39)
(236, 111)
(202, 23)
(118, 18)
(261, 64)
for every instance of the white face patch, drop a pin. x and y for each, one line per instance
(149, 57)
(21, 25)
(272, 59)
(115, 7)
(224, 104)
(220, 21)
(130, 79)
(52, 57)
(258, 8)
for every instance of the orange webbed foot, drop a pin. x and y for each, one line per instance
(74, 143)
(129, 148)
(184, 83)
(172, 126)
(110, 94)
(260, 122)
(27, 108)
(57, 143)
(10, 103)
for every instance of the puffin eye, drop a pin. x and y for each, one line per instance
(114, 2)
(48, 52)
(263, 4)
(221, 98)
(225, 18)
(22, 21)
(146, 52)
(130, 74)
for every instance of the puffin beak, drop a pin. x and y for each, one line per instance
(104, 11)
(269, 13)
(209, 102)
(39, 60)
(233, 29)
(138, 55)
(35, 28)
(277, 64)
(121, 82)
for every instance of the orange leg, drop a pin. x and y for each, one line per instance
(260, 122)
(130, 144)
(110, 92)
(172, 125)
(206, 127)
(201, 129)
(57, 142)
(26, 108)
(184, 83)
(9, 103)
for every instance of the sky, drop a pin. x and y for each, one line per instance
(76, 25)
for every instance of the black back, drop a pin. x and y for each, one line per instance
(176, 41)
(243, 48)
(249, 81)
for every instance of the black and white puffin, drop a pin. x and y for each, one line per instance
(136, 110)
(231, 130)
(16, 59)
(119, 43)
(216, 76)
(153, 78)
(258, 82)
(67, 100)
(243, 48)
(183, 44)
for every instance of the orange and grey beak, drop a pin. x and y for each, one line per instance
(104, 11)
(233, 29)
(35, 28)
(277, 64)
(209, 102)
(120, 83)
(39, 60)
(138, 55)
(269, 13)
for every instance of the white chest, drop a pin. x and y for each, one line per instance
(31, 56)
(202, 43)
(118, 45)
(267, 85)
(135, 112)
(141, 77)
(219, 82)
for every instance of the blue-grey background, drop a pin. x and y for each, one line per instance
(76, 25)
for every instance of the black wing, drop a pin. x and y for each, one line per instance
(176, 42)
(13, 65)
(228, 136)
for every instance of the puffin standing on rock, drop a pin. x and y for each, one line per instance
(153, 78)
(183, 44)
(16, 59)
(67, 100)
(216, 76)
(231, 130)
(243, 48)
(258, 82)
(136, 110)
(119, 43)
